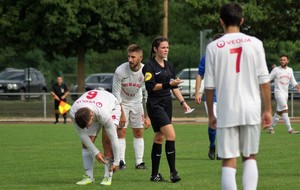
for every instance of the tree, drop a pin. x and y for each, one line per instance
(74, 27)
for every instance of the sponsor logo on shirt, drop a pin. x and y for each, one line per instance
(98, 104)
(222, 43)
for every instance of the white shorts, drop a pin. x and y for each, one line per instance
(96, 127)
(240, 139)
(281, 103)
(134, 115)
(215, 108)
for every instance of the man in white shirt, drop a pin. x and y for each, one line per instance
(127, 88)
(236, 68)
(92, 111)
(283, 76)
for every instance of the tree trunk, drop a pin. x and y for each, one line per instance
(80, 69)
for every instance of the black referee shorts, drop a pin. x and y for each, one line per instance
(159, 111)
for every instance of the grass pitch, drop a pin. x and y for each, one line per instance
(46, 156)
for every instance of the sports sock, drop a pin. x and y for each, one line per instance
(88, 163)
(65, 117)
(122, 145)
(275, 120)
(250, 174)
(212, 136)
(286, 120)
(228, 178)
(170, 153)
(138, 145)
(56, 117)
(155, 158)
(107, 166)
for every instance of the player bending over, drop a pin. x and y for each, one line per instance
(92, 111)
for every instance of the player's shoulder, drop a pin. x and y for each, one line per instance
(148, 66)
(122, 67)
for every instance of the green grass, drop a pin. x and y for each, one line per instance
(45, 156)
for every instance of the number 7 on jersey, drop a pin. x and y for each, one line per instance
(238, 51)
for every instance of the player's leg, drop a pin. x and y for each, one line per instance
(122, 138)
(88, 165)
(212, 138)
(169, 134)
(228, 150)
(136, 119)
(122, 145)
(156, 155)
(286, 120)
(249, 146)
(281, 105)
(108, 153)
(56, 111)
(138, 145)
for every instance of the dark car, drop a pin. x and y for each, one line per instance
(22, 80)
(97, 81)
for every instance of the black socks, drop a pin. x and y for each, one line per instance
(170, 153)
(155, 157)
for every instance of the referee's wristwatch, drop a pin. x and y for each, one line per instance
(182, 102)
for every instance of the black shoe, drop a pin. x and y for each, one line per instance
(219, 158)
(212, 153)
(141, 166)
(175, 177)
(56, 122)
(122, 165)
(157, 178)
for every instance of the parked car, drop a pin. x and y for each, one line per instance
(188, 75)
(14, 80)
(97, 81)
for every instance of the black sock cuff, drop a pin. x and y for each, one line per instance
(156, 146)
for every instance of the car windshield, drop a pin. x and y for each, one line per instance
(12, 75)
(107, 79)
(187, 74)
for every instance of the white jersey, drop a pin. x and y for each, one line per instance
(282, 78)
(235, 66)
(103, 104)
(127, 85)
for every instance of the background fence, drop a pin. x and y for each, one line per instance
(42, 105)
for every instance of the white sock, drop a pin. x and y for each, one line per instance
(250, 175)
(107, 166)
(122, 145)
(228, 178)
(88, 163)
(275, 120)
(286, 120)
(138, 145)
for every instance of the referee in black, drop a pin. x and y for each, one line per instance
(159, 80)
(59, 92)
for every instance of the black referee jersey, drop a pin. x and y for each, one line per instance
(154, 73)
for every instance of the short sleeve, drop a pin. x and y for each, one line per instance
(262, 69)
(149, 77)
(209, 82)
(201, 67)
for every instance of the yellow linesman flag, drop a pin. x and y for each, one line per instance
(63, 107)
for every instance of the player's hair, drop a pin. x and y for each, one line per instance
(231, 14)
(284, 55)
(156, 43)
(134, 48)
(82, 117)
